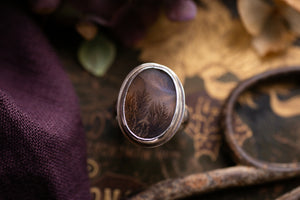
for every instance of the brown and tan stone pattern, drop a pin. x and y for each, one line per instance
(150, 103)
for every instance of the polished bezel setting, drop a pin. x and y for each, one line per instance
(177, 118)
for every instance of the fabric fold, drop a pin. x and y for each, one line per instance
(42, 143)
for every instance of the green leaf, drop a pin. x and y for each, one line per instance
(97, 55)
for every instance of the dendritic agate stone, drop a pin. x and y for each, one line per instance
(150, 103)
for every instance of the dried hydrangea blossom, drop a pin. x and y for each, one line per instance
(274, 24)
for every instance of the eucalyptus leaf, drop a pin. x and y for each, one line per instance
(97, 55)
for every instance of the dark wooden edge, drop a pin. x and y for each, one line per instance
(201, 183)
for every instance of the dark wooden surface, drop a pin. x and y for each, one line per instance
(117, 167)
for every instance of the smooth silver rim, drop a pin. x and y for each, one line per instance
(177, 116)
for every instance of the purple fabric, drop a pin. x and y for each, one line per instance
(42, 144)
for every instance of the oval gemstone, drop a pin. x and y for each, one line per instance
(150, 103)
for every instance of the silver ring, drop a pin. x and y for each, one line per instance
(151, 105)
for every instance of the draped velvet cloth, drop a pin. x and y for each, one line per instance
(42, 143)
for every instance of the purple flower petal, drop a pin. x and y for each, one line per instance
(104, 9)
(180, 10)
(44, 6)
(131, 23)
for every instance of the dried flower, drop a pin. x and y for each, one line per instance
(128, 20)
(180, 10)
(87, 29)
(43, 6)
(274, 24)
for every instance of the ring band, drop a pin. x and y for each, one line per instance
(151, 105)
